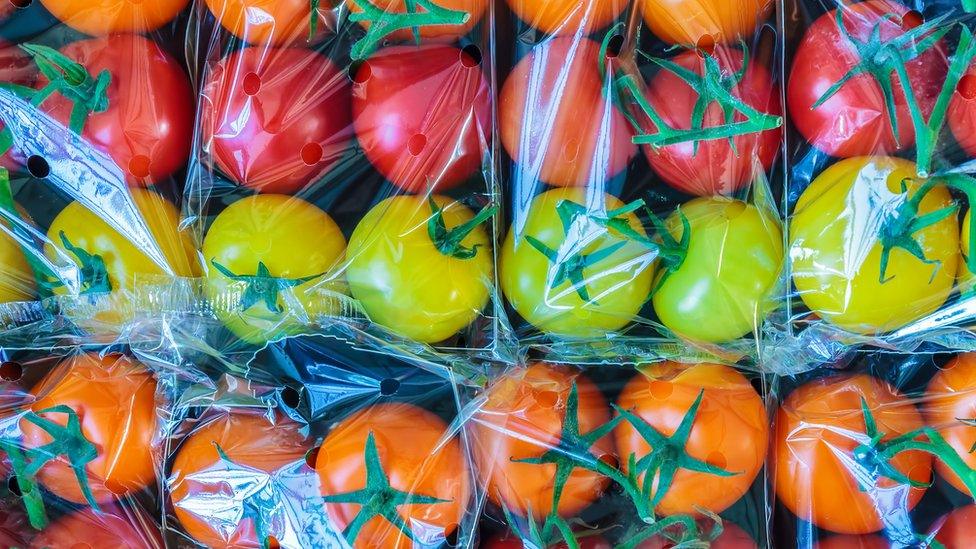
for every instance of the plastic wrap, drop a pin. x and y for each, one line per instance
(641, 143)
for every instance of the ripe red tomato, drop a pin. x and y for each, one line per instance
(732, 537)
(962, 112)
(853, 542)
(716, 166)
(955, 530)
(522, 417)
(113, 528)
(274, 22)
(276, 119)
(250, 441)
(704, 22)
(818, 428)
(102, 17)
(508, 540)
(114, 397)
(423, 115)
(428, 33)
(567, 17)
(855, 121)
(418, 459)
(951, 396)
(148, 126)
(555, 121)
(730, 431)
(14, 527)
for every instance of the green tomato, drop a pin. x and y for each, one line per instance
(571, 275)
(424, 271)
(722, 289)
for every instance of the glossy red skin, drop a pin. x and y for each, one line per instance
(854, 122)
(962, 112)
(716, 167)
(151, 106)
(291, 130)
(955, 530)
(732, 537)
(508, 540)
(422, 115)
(16, 67)
(14, 527)
(111, 529)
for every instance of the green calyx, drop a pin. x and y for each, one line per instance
(73, 81)
(94, 273)
(383, 23)
(257, 511)
(261, 287)
(450, 241)
(378, 498)
(671, 252)
(969, 6)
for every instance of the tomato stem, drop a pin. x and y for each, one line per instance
(94, 273)
(450, 242)
(262, 286)
(671, 252)
(313, 24)
(969, 6)
(73, 81)
(30, 491)
(383, 23)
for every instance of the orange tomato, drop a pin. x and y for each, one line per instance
(102, 17)
(566, 17)
(249, 440)
(730, 431)
(429, 33)
(522, 417)
(955, 530)
(704, 22)
(274, 22)
(951, 396)
(818, 427)
(115, 399)
(417, 455)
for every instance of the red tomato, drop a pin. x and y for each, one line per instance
(148, 126)
(276, 22)
(567, 17)
(556, 122)
(428, 33)
(423, 115)
(962, 112)
(508, 540)
(113, 528)
(951, 396)
(14, 527)
(101, 17)
(732, 537)
(853, 542)
(716, 167)
(114, 398)
(854, 121)
(955, 530)
(276, 119)
(818, 428)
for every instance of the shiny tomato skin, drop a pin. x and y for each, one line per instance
(818, 427)
(273, 22)
(17, 281)
(508, 540)
(835, 249)
(730, 431)
(554, 139)
(251, 441)
(955, 530)
(422, 115)
(951, 396)
(732, 537)
(705, 22)
(965, 277)
(114, 528)
(148, 126)
(567, 17)
(428, 33)
(276, 119)
(104, 17)
(115, 398)
(724, 288)
(855, 122)
(715, 166)
(852, 542)
(961, 116)
(522, 417)
(417, 455)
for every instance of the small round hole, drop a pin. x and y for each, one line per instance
(614, 46)
(38, 166)
(252, 83)
(389, 387)
(705, 46)
(312, 457)
(967, 86)
(911, 20)
(139, 166)
(21, 4)
(360, 73)
(471, 56)
(11, 371)
(312, 154)
(290, 397)
(14, 486)
(417, 144)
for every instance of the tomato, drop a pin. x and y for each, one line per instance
(102, 17)
(406, 282)
(417, 457)
(836, 250)
(961, 116)
(259, 135)
(250, 441)
(715, 166)
(275, 22)
(951, 396)
(854, 121)
(722, 290)
(730, 431)
(567, 17)
(955, 530)
(14, 526)
(270, 261)
(815, 473)
(511, 541)
(853, 542)
(475, 10)
(147, 133)
(115, 528)
(114, 397)
(613, 289)
(116, 262)
(964, 276)
(559, 141)
(732, 537)
(704, 22)
(423, 115)
(16, 277)
(522, 417)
